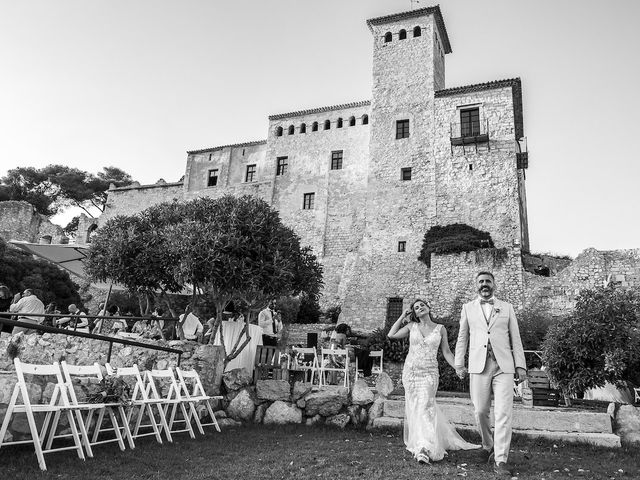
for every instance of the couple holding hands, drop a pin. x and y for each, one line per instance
(489, 330)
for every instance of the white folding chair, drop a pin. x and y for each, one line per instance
(141, 402)
(75, 373)
(334, 356)
(161, 385)
(58, 404)
(307, 360)
(192, 390)
(376, 368)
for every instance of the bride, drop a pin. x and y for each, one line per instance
(427, 432)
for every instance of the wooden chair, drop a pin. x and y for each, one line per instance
(93, 372)
(308, 361)
(196, 395)
(267, 364)
(141, 402)
(331, 356)
(161, 385)
(58, 405)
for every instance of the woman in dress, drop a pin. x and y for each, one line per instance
(427, 432)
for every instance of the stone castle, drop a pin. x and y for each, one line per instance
(361, 183)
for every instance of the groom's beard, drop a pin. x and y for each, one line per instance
(483, 290)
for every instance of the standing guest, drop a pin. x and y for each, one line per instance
(76, 321)
(190, 326)
(5, 303)
(488, 327)
(270, 323)
(29, 308)
(427, 431)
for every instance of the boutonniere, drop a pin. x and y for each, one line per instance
(496, 310)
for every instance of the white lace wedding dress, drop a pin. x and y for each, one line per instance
(426, 428)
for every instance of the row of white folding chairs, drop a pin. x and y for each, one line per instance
(85, 433)
(333, 360)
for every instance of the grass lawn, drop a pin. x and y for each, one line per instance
(299, 452)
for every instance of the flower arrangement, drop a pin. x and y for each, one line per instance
(110, 389)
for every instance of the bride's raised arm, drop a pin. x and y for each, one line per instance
(400, 329)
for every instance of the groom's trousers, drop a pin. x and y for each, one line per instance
(481, 385)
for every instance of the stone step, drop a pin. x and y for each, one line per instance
(460, 412)
(608, 440)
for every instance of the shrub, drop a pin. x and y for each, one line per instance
(309, 311)
(534, 322)
(454, 238)
(597, 343)
(333, 313)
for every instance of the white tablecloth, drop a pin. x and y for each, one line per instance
(609, 393)
(231, 332)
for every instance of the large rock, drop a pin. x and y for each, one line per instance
(7, 384)
(384, 384)
(237, 379)
(281, 413)
(376, 410)
(340, 420)
(327, 401)
(242, 407)
(300, 389)
(228, 422)
(273, 390)
(357, 414)
(361, 394)
(628, 424)
(259, 414)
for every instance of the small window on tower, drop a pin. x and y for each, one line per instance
(388, 37)
(405, 174)
(402, 246)
(402, 129)
(212, 179)
(417, 32)
(365, 119)
(402, 35)
(336, 160)
(283, 163)
(308, 201)
(251, 172)
(314, 127)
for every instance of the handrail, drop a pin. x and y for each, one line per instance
(92, 336)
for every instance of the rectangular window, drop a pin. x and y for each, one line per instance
(336, 160)
(405, 173)
(402, 246)
(394, 309)
(251, 171)
(212, 180)
(283, 163)
(307, 203)
(402, 129)
(470, 122)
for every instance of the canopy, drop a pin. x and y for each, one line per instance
(69, 257)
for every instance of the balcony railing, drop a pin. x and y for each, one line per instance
(471, 133)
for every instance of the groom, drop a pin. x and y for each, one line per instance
(489, 328)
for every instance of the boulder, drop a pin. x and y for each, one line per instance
(281, 413)
(628, 424)
(259, 413)
(300, 389)
(340, 420)
(361, 394)
(384, 384)
(376, 410)
(228, 422)
(237, 379)
(273, 390)
(327, 401)
(242, 407)
(7, 384)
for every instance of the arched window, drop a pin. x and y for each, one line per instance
(303, 128)
(279, 132)
(327, 124)
(402, 35)
(91, 232)
(339, 125)
(365, 119)
(388, 37)
(417, 32)
(352, 121)
(292, 129)
(314, 127)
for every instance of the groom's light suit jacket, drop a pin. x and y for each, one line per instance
(502, 331)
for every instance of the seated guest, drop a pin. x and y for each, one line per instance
(190, 326)
(77, 320)
(109, 326)
(338, 340)
(27, 306)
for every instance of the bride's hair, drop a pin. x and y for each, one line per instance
(413, 317)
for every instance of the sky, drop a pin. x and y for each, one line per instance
(137, 83)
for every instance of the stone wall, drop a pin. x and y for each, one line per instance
(20, 221)
(49, 348)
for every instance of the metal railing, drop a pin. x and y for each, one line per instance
(92, 336)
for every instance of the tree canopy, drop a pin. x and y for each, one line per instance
(597, 343)
(453, 238)
(54, 187)
(230, 248)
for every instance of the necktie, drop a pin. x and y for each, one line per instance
(273, 320)
(490, 301)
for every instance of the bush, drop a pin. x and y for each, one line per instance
(454, 238)
(534, 321)
(597, 343)
(333, 313)
(309, 311)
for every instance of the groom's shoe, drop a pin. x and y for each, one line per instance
(501, 470)
(486, 456)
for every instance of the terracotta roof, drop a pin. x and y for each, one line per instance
(213, 149)
(309, 111)
(435, 11)
(478, 87)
